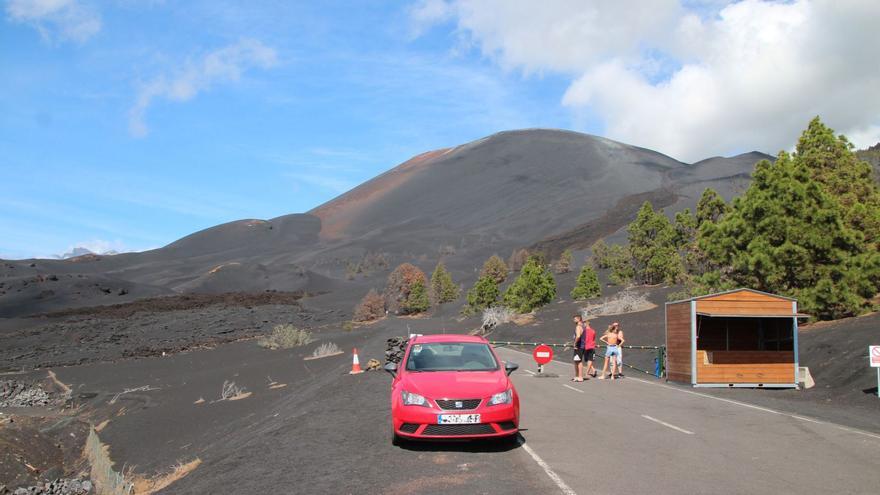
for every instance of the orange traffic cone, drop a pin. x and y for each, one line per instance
(355, 364)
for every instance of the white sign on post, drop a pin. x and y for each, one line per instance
(874, 358)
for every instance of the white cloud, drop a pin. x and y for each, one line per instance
(222, 65)
(56, 19)
(101, 246)
(692, 79)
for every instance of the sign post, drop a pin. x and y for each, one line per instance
(542, 354)
(874, 357)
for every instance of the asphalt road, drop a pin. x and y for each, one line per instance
(642, 436)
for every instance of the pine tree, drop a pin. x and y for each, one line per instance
(417, 301)
(652, 245)
(400, 283)
(443, 289)
(587, 285)
(483, 294)
(533, 288)
(711, 207)
(495, 268)
(788, 235)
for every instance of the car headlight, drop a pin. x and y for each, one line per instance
(410, 399)
(501, 398)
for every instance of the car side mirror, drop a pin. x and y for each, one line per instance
(510, 368)
(391, 368)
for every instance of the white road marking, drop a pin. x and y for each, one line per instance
(738, 403)
(664, 423)
(563, 487)
(529, 372)
(572, 388)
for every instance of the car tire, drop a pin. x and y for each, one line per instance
(397, 440)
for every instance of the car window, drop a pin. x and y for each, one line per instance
(445, 356)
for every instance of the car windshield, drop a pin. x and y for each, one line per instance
(451, 356)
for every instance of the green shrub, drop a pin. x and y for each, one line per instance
(418, 301)
(443, 289)
(533, 288)
(483, 294)
(587, 285)
(286, 337)
(400, 283)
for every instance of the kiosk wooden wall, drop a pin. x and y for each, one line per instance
(760, 350)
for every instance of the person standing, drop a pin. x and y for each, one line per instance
(620, 342)
(611, 351)
(579, 342)
(589, 349)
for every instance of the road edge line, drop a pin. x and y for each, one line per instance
(547, 469)
(664, 423)
(572, 388)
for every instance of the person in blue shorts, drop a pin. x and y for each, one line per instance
(612, 351)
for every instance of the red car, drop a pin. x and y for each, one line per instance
(452, 387)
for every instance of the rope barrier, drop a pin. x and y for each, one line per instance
(659, 360)
(497, 343)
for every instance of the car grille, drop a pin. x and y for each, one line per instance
(450, 404)
(454, 430)
(409, 427)
(507, 425)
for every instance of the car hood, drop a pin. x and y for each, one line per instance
(456, 384)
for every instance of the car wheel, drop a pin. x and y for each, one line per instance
(396, 439)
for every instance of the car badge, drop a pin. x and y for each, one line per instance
(459, 404)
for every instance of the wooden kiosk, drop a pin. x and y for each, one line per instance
(740, 338)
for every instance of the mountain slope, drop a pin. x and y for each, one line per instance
(544, 189)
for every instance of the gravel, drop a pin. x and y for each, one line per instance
(14, 393)
(66, 486)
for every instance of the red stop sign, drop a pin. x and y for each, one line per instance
(543, 354)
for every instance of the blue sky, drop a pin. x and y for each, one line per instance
(126, 124)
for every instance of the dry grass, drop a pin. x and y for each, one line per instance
(324, 350)
(621, 303)
(153, 485)
(497, 315)
(286, 337)
(231, 391)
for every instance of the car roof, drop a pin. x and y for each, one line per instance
(448, 337)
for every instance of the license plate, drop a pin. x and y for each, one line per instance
(457, 419)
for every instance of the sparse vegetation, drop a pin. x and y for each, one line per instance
(495, 268)
(401, 283)
(652, 247)
(286, 337)
(497, 315)
(326, 349)
(231, 391)
(617, 258)
(483, 294)
(368, 264)
(417, 301)
(533, 288)
(563, 264)
(443, 289)
(371, 307)
(517, 259)
(587, 285)
(621, 303)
